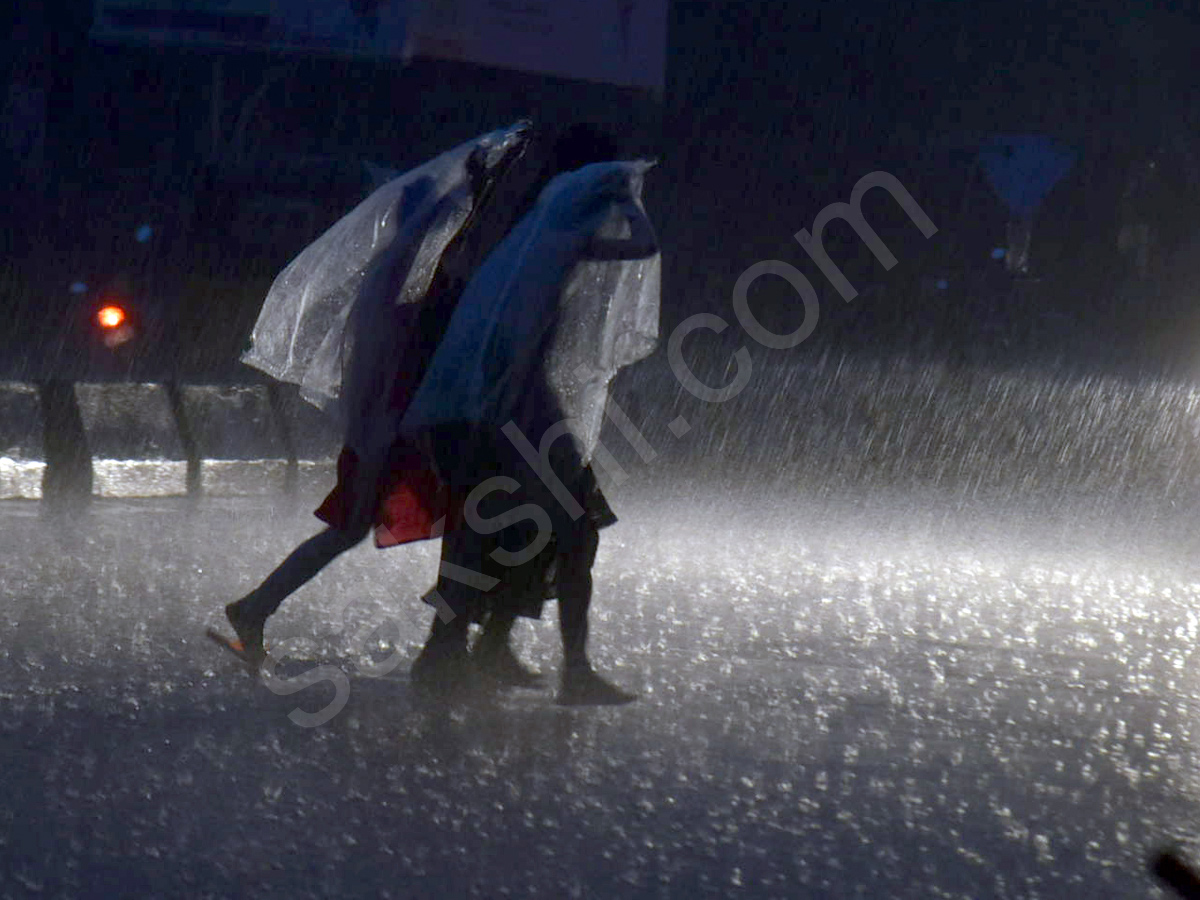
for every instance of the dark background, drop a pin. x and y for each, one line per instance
(901, 630)
(771, 112)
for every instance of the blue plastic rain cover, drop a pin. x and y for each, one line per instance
(543, 307)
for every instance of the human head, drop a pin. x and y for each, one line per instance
(580, 144)
(573, 147)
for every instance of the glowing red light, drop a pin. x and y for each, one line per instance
(110, 317)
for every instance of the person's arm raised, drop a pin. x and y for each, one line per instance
(640, 244)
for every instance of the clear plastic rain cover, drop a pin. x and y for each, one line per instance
(315, 327)
(550, 304)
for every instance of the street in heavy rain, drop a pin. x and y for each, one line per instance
(916, 690)
(875, 323)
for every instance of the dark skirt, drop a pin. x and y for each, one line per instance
(501, 493)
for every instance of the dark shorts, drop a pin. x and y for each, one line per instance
(504, 493)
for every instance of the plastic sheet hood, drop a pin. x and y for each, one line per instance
(302, 334)
(549, 316)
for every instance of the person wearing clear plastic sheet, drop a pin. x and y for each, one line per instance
(397, 493)
(392, 489)
(504, 409)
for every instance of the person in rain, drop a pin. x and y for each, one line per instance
(389, 348)
(354, 321)
(510, 411)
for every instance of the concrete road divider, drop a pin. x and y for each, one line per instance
(63, 442)
(22, 453)
(234, 434)
(311, 436)
(134, 440)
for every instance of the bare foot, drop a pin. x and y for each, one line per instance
(498, 663)
(581, 686)
(441, 666)
(249, 645)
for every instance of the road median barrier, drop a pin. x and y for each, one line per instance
(22, 451)
(235, 440)
(313, 440)
(134, 440)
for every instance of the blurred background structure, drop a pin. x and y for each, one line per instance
(178, 176)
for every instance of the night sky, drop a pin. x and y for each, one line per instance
(771, 112)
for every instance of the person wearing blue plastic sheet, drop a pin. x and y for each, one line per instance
(359, 343)
(511, 407)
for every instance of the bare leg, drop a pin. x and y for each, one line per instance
(443, 660)
(494, 655)
(574, 600)
(249, 614)
(581, 686)
(496, 632)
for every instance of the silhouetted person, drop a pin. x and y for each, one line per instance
(390, 488)
(500, 382)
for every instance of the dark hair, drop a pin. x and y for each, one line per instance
(575, 146)
(580, 144)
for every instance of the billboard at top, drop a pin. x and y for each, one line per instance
(374, 28)
(612, 41)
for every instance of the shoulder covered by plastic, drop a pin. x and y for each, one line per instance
(539, 307)
(301, 329)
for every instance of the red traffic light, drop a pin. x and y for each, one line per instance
(114, 325)
(110, 317)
